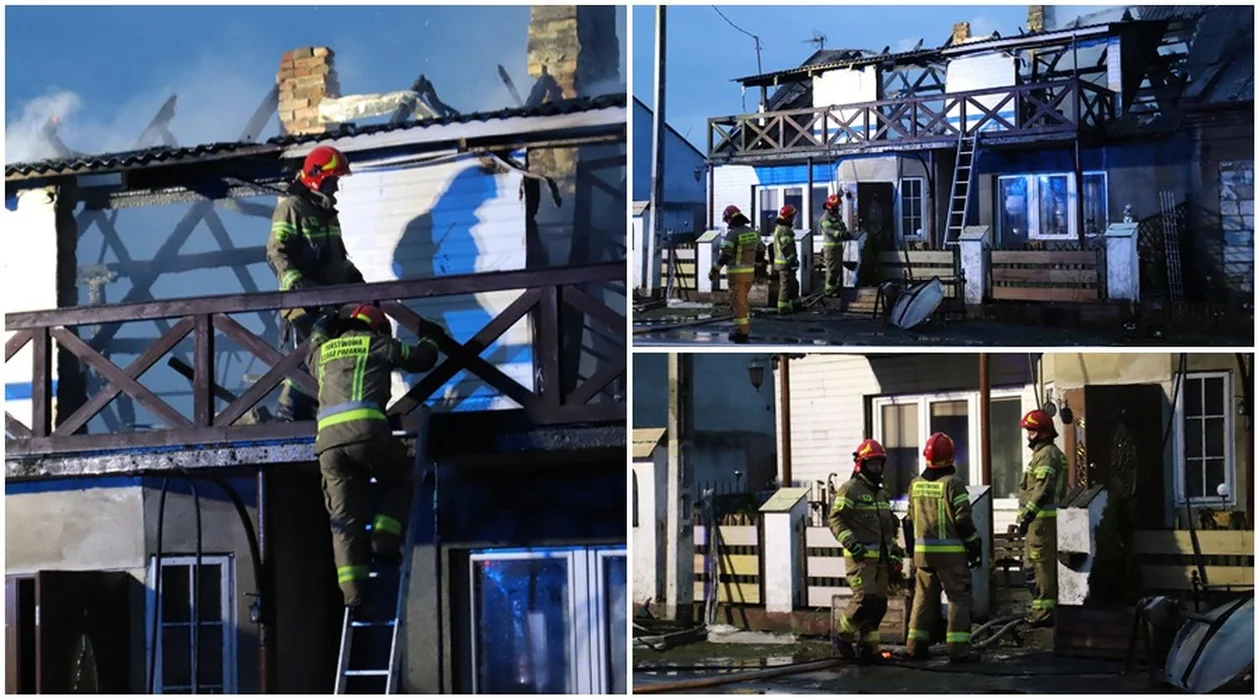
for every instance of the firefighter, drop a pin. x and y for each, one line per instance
(354, 360)
(741, 250)
(863, 522)
(834, 234)
(1040, 490)
(305, 250)
(945, 546)
(785, 261)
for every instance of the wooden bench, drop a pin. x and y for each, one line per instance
(1008, 552)
(1046, 275)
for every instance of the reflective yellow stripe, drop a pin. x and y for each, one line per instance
(1048, 513)
(282, 230)
(919, 634)
(831, 245)
(736, 269)
(288, 278)
(845, 625)
(939, 548)
(357, 414)
(960, 499)
(384, 523)
(956, 637)
(843, 502)
(354, 572)
(1043, 604)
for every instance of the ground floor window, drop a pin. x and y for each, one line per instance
(904, 423)
(1043, 206)
(913, 206)
(215, 620)
(770, 199)
(1206, 421)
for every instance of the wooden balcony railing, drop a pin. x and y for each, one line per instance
(544, 292)
(1061, 107)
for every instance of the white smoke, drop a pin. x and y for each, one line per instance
(216, 96)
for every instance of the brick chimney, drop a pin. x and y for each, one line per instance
(1036, 18)
(962, 32)
(307, 75)
(576, 45)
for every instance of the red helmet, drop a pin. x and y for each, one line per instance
(321, 163)
(939, 451)
(1039, 421)
(730, 213)
(787, 212)
(869, 449)
(374, 317)
(833, 202)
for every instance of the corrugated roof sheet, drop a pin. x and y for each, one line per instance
(108, 162)
(1222, 60)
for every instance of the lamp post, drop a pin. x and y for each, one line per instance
(756, 373)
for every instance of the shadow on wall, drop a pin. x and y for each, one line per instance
(440, 243)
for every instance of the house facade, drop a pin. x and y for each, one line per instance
(1038, 142)
(682, 211)
(114, 469)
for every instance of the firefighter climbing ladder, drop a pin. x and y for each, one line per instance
(385, 666)
(964, 159)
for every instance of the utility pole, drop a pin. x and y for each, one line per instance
(785, 440)
(986, 454)
(652, 276)
(680, 548)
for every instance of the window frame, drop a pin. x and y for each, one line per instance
(1180, 461)
(1033, 203)
(901, 212)
(803, 210)
(227, 596)
(924, 402)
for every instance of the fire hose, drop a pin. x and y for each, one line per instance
(1008, 624)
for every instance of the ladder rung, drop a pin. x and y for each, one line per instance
(361, 623)
(368, 672)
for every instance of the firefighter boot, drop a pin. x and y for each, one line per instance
(737, 337)
(865, 654)
(844, 649)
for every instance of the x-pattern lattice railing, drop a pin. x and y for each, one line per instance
(548, 293)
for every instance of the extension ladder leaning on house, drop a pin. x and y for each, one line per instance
(369, 661)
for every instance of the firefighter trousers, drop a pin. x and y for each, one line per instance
(293, 403)
(955, 581)
(860, 621)
(741, 284)
(1041, 556)
(831, 259)
(789, 289)
(346, 471)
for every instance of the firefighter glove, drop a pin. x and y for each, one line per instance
(1024, 521)
(429, 329)
(858, 552)
(715, 275)
(973, 553)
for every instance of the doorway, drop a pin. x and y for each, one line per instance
(875, 214)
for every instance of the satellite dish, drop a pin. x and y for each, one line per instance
(917, 303)
(1213, 649)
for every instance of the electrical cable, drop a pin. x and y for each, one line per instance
(756, 39)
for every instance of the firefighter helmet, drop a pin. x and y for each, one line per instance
(787, 212)
(729, 213)
(373, 317)
(832, 203)
(868, 450)
(321, 163)
(1040, 422)
(939, 451)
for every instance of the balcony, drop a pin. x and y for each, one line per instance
(1059, 110)
(555, 297)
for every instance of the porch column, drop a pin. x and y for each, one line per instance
(972, 243)
(783, 550)
(1123, 269)
(1077, 527)
(706, 247)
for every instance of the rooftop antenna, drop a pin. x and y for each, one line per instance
(819, 40)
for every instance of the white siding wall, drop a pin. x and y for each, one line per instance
(30, 284)
(733, 184)
(829, 402)
(450, 218)
(844, 87)
(980, 73)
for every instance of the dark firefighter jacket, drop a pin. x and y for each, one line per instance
(741, 248)
(833, 230)
(940, 511)
(1043, 483)
(305, 247)
(785, 248)
(354, 372)
(861, 514)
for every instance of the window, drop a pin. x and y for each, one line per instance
(819, 198)
(216, 644)
(1206, 423)
(904, 423)
(771, 199)
(1043, 207)
(913, 206)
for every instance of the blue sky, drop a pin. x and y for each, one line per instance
(106, 70)
(703, 51)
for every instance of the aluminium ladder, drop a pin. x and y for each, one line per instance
(964, 161)
(382, 665)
